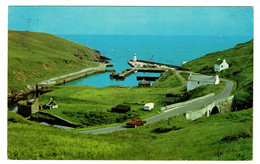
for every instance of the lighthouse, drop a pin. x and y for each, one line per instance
(135, 57)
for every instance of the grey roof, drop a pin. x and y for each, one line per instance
(202, 78)
(219, 62)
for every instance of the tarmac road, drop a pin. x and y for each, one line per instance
(226, 92)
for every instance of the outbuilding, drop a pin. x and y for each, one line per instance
(121, 108)
(144, 83)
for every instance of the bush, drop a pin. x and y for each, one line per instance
(165, 129)
(93, 118)
(243, 98)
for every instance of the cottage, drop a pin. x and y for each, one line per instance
(201, 80)
(50, 105)
(144, 83)
(220, 65)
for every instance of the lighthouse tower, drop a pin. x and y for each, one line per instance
(135, 57)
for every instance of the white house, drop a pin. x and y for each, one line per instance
(201, 80)
(220, 65)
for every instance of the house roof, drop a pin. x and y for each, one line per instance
(202, 78)
(219, 62)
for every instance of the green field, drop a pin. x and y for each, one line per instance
(218, 137)
(90, 106)
(34, 57)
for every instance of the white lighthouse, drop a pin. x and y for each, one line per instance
(135, 57)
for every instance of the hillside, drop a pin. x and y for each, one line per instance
(240, 59)
(218, 137)
(34, 57)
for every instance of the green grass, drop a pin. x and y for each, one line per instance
(170, 80)
(240, 59)
(90, 106)
(34, 57)
(218, 137)
(185, 75)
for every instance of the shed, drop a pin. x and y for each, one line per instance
(28, 107)
(121, 108)
(144, 83)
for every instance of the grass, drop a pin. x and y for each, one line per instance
(90, 106)
(34, 57)
(219, 137)
(240, 59)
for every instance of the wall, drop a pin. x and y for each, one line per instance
(223, 105)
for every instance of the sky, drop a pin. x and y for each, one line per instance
(209, 21)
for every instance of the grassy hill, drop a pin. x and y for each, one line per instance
(34, 57)
(240, 59)
(218, 137)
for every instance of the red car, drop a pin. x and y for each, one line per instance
(134, 122)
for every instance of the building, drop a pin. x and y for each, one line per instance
(201, 80)
(28, 107)
(51, 104)
(121, 108)
(144, 83)
(220, 65)
(135, 58)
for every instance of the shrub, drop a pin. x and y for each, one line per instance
(93, 118)
(165, 129)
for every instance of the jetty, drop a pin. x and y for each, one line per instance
(144, 66)
(125, 73)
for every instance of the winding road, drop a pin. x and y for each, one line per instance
(180, 110)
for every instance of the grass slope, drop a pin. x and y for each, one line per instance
(240, 59)
(219, 137)
(34, 57)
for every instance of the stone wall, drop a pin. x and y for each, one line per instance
(223, 106)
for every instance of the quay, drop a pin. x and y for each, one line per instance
(144, 66)
(125, 73)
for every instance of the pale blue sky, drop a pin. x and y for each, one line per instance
(134, 20)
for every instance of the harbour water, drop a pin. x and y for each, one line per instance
(171, 50)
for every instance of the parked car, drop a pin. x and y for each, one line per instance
(134, 122)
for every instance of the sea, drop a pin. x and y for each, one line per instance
(171, 50)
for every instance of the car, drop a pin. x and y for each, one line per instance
(134, 122)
